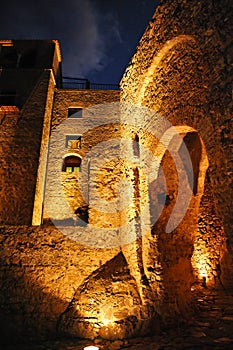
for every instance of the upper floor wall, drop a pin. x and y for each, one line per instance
(30, 54)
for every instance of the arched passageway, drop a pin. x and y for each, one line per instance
(174, 198)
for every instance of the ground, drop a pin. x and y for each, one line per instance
(211, 327)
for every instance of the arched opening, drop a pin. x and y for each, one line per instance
(174, 198)
(71, 164)
(181, 173)
(73, 188)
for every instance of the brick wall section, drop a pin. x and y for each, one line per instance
(183, 70)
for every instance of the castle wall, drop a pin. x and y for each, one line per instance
(29, 69)
(42, 280)
(182, 70)
(79, 98)
(67, 192)
(21, 141)
(51, 277)
(40, 271)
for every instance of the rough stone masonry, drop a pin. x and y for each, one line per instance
(52, 284)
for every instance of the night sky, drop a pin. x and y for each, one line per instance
(97, 37)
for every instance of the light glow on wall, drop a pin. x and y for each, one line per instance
(107, 316)
(202, 269)
(201, 264)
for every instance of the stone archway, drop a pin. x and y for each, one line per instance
(166, 253)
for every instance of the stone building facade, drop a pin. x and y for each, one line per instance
(131, 263)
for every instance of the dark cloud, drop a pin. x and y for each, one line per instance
(85, 50)
(90, 42)
(95, 35)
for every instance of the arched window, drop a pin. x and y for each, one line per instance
(72, 164)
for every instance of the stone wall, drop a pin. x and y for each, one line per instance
(77, 280)
(209, 239)
(182, 69)
(67, 192)
(21, 141)
(40, 271)
(79, 98)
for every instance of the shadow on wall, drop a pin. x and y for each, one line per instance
(27, 312)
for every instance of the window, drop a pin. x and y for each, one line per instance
(73, 141)
(74, 112)
(72, 164)
(136, 147)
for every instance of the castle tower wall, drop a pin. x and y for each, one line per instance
(26, 84)
(182, 69)
(182, 72)
(76, 135)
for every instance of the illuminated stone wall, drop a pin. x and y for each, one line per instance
(59, 281)
(66, 192)
(182, 70)
(21, 136)
(29, 69)
(40, 270)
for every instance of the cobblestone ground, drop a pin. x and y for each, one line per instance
(211, 328)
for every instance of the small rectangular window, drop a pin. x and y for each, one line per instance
(73, 141)
(74, 112)
(136, 146)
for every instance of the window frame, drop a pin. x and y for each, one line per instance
(73, 137)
